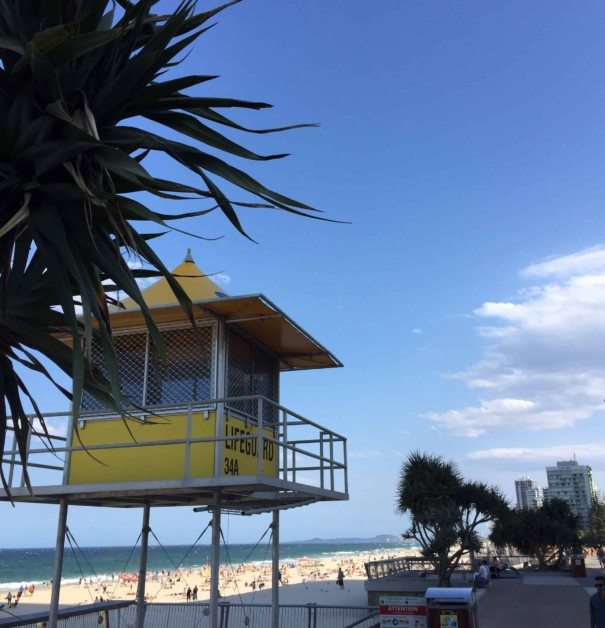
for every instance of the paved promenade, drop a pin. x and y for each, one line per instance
(539, 601)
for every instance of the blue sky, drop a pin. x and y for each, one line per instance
(464, 144)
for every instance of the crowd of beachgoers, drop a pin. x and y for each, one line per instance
(301, 581)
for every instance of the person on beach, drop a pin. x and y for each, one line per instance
(597, 604)
(340, 579)
(9, 598)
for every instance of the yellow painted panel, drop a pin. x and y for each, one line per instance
(143, 461)
(201, 464)
(146, 461)
(240, 455)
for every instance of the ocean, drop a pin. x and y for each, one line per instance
(35, 566)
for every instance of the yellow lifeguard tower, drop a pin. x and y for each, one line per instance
(206, 426)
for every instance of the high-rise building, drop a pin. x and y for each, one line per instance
(572, 482)
(529, 495)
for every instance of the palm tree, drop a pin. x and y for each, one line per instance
(79, 79)
(445, 510)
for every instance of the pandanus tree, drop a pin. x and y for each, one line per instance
(546, 532)
(84, 86)
(445, 511)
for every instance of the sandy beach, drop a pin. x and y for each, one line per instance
(303, 582)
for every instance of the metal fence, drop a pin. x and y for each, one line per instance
(307, 452)
(197, 615)
(393, 566)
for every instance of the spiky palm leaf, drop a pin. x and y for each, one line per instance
(75, 77)
(445, 510)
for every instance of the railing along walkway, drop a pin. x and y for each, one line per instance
(197, 615)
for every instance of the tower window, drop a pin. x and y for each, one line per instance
(251, 371)
(186, 376)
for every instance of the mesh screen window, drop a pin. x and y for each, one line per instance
(251, 371)
(187, 375)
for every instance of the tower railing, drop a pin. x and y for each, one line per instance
(307, 453)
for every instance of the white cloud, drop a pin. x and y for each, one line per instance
(417, 331)
(145, 282)
(222, 278)
(540, 454)
(501, 412)
(587, 261)
(542, 365)
(55, 426)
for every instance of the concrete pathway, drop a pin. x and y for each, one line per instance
(538, 601)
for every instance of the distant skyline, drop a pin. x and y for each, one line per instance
(464, 143)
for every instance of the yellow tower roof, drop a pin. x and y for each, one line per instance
(252, 314)
(199, 287)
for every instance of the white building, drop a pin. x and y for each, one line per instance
(572, 482)
(529, 495)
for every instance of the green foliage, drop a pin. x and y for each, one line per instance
(445, 510)
(77, 79)
(594, 536)
(544, 533)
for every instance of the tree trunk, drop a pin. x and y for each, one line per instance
(444, 572)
